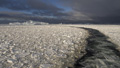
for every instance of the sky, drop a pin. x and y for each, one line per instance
(61, 11)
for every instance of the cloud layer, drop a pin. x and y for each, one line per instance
(81, 10)
(35, 6)
(94, 7)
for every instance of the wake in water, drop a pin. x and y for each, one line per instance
(101, 53)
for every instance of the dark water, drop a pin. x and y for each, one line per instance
(101, 53)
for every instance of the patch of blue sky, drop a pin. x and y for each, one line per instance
(4, 9)
(9, 10)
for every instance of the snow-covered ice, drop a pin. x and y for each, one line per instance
(46, 46)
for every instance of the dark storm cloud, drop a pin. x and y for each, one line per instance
(95, 7)
(101, 11)
(14, 4)
(29, 5)
(8, 17)
(80, 10)
(31, 10)
(49, 13)
(14, 15)
(39, 5)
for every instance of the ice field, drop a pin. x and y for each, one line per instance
(53, 46)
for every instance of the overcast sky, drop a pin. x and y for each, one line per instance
(99, 11)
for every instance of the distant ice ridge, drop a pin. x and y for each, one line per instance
(30, 22)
